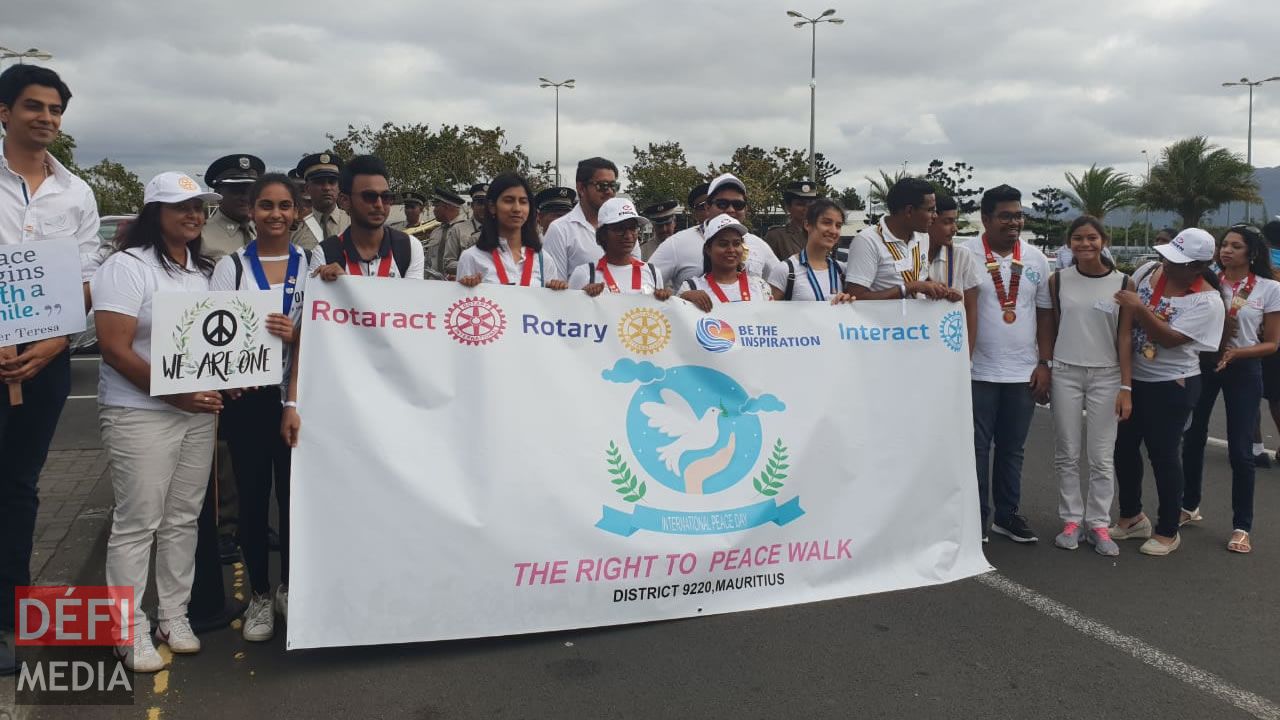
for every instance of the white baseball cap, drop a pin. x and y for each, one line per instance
(616, 210)
(1190, 245)
(726, 179)
(722, 222)
(175, 187)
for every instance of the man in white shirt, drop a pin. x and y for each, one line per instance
(368, 247)
(890, 260)
(680, 257)
(570, 240)
(1011, 357)
(954, 267)
(39, 200)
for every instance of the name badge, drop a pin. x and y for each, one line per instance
(1107, 306)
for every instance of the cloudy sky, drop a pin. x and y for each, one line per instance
(1021, 90)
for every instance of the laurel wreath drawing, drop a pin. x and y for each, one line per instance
(248, 320)
(627, 484)
(770, 480)
(181, 333)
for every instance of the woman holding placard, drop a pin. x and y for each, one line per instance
(160, 449)
(618, 271)
(509, 250)
(253, 415)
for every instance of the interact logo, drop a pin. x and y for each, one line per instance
(952, 330)
(475, 321)
(644, 331)
(715, 335)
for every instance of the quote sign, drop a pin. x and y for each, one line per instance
(214, 341)
(41, 293)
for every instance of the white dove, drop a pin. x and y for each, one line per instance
(674, 418)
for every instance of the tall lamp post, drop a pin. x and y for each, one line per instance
(557, 85)
(827, 17)
(28, 54)
(1251, 84)
(1147, 156)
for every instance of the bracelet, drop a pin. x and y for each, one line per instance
(290, 403)
(1126, 387)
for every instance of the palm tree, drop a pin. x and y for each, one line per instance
(1099, 191)
(1194, 177)
(880, 187)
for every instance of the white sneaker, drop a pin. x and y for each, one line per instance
(178, 635)
(259, 621)
(282, 601)
(142, 655)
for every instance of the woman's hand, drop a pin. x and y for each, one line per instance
(1124, 405)
(557, 285)
(205, 401)
(330, 272)
(594, 289)
(662, 294)
(842, 298)
(1128, 299)
(290, 425)
(470, 280)
(280, 326)
(700, 299)
(1226, 357)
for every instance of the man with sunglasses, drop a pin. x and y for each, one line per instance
(680, 257)
(789, 239)
(464, 234)
(570, 241)
(319, 172)
(367, 247)
(228, 229)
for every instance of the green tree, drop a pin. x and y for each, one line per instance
(954, 180)
(850, 200)
(63, 148)
(118, 191)
(1194, 177)
(1099, 191)
(660, 172)
(880, 186)
(418, 157)
(1049, 204)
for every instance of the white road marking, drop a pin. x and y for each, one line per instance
(82, 397)
(93, 358)
(1202, 680)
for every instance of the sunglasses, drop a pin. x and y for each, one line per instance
(371, 197)
(606, 186)
(726, 204)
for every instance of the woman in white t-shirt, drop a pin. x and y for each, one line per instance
(1177, 313)
(814, 273)
(160, 449)
(1092, 377)
(251, 420)
(618, 271)
(724, 278)
(1252, 332)
(509, 249)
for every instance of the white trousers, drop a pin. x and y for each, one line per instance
(1085, 397)
(160, 462)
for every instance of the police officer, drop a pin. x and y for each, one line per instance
(320, 172)
(304, 207)
(446, 206)
(698, 204)
(413, 202)
(228, 229)
(553, 203)
(789, 239)
(662, 217)
(464, 234)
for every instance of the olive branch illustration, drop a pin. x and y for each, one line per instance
(182, 332)
(770, 480)
(627, 484)
(248, 320)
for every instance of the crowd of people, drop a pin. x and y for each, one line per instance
(1122, 361)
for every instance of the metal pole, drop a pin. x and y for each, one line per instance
(813, 102)
(557, 136)
(1249, 149)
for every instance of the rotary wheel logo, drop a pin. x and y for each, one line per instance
(644, 331)
(475, 321)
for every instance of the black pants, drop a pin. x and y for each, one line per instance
(25, 433)
(259, 455)
(1160, 412)
(1241, 387)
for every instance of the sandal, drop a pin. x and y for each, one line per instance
(1242, 545)
(1186, 517)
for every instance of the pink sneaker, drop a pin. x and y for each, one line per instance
(1102, 543)
(1069, 538)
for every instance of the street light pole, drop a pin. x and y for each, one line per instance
(1251, 84)
(1147, 157)
(29, 53)
(826, 16)
(557, 85)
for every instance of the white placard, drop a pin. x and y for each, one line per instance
(214, 341)
(41, 291)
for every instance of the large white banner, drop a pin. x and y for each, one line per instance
(214, 341)
(41, 292)
(507, 460)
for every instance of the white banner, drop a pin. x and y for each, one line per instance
(41, 293)
(505, 460)
(214, 341)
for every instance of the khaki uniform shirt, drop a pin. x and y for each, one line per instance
(786, 240)
(223, 236)
(434, 244)
(460, 237)
(330, 225)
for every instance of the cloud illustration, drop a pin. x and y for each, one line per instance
(627, 371)
(762, 404)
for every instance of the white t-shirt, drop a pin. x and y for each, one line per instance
(872, 260)
(370, 267)
(964, 271)
(1199, 316)
(679, 257)
(757, 288)
(1265, 298)
(1005, 352)
(570, 241)
(125, 284)
(476, 261)
(809, 284)
(623, 276)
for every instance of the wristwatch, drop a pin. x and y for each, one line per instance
(1046, 363)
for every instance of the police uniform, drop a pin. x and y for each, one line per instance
(660, 213)
(410, 196)
(223, 235)
(787, 240)
(554, 200)
(462, 235)
(317, 226)
(434, 244)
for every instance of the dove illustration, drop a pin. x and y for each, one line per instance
(674, 418)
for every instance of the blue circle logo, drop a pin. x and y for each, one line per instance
(952, 330)
(715, 335)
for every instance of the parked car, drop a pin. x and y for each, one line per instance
(108, 231)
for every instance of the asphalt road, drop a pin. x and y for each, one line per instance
(1051, 634)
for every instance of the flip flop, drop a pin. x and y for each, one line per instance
(1242, 546)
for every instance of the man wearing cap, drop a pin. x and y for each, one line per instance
(304, 207)
(787, 240)
(697, 203)
(553, 204)
(320, 172)
(228, 229)
(464, 234)
(662, 217)
(413, 202)
(446, 207)
(680, 257)
(571, 240)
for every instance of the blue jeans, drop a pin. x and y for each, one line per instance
(1241, 387)
(1001, 417)
(1160, 412)
(25, 433)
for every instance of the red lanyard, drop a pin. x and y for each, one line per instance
(1239, 295)
(603, 267)
(1008, 302)
(743, 289)
(526, 275)
(1157, 293)
(384, 267)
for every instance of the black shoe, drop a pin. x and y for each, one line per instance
(1262, 460)
(273, 539)
(228, 551)
(1015, 528)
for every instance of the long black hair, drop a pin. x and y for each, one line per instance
(144, 232)
(1259, 251)
(1097, 225)
(488, 240)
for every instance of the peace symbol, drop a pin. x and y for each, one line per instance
(219, 328)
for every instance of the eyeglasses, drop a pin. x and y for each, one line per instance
(371, 197)
(1006, 217)
(726, 204)
(603, 186)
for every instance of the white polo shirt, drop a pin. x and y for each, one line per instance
(757, 289)
(570, 241)
(476, 261)
(1004, 352)
(807, 283)
(957, 270)
(679, 257)
(877, 259)
(623, 277)
(62, 207)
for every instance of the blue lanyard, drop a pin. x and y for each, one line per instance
(260, 275)
(833, 275)
(951, 275)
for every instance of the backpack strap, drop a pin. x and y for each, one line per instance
(653, 274)
(400, 250)
(1055, 295)
(689, 283)
(332, 249)
(306, 253)
(591, 273)
(235, 260)
(791, 280)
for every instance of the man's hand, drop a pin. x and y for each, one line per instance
(1040, 380)
(594, 289)
(330, 272)
(28, 363)
(290, 425)
(930, 289)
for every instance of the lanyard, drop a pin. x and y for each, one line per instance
(603, 267)
(354, 259)
(743, 290)
(833, 275)
(907, 275)
(1239, 295)
(260, 275)
(526, 273)
(1007, 301)
(1157, 293)
(951, 275)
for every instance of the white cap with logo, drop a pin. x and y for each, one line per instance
(175, 187)
(1190, 245)
(726, 179)
(723, 222)
(616, 210)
